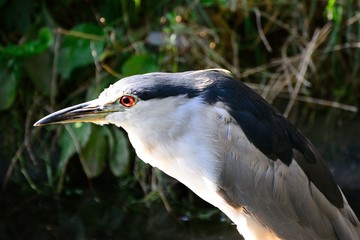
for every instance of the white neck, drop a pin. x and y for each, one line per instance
(185, 148)
(179, 148)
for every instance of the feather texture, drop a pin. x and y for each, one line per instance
(279, 196)
(229, 146)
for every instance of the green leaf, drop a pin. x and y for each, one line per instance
(95, 152)
(138, 64)
(334, 11)
(39, 69)
(10, 76)
(137, 3)
(39, 45)
(77, 47)
(73, 134)
(119, 158)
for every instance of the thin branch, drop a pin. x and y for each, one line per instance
(83, 35)
(302, 70)
(110, 70)
(13, 162)
(260, 30)
(53, 86)
(324, 102)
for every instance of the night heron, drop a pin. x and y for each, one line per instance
(228, 145)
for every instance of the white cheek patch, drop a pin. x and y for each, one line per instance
(116, 118)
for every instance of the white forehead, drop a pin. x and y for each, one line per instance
(116, 90)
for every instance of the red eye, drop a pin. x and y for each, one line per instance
(127, 101)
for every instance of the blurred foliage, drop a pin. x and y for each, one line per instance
(58, 53)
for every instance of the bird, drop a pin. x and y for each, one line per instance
(222, 140)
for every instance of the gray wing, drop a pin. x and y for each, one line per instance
(281, 196)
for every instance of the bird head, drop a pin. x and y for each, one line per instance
(136, 99)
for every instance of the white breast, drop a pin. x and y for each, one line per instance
(185, 147)
(181, 149)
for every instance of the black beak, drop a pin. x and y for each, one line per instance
(85, 112)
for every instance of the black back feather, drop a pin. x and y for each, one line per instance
(272, 133)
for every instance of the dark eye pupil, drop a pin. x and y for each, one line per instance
(126, 100)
